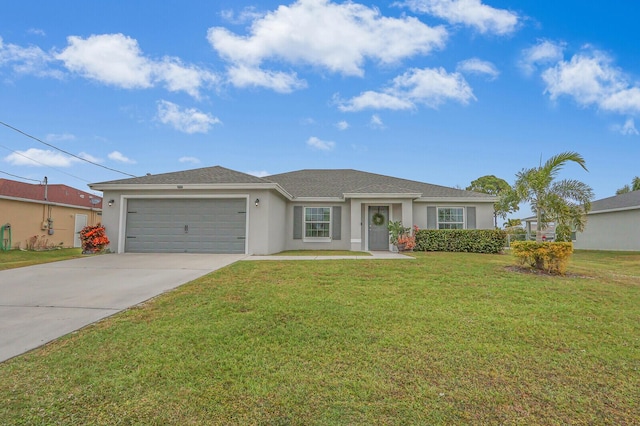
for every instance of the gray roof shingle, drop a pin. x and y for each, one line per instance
(306, 183)
(335, 183)
(622, 201)
(205, 175)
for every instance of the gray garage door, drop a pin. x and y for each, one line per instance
(186, 225)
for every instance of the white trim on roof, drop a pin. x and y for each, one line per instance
(457, 199)
(382, 195)
(619, 209)
(187, 186)
(318, 199)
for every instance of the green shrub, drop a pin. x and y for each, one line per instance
(547, 256)
(461, 240)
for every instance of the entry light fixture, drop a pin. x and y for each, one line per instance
(111, 201)
(257, 202)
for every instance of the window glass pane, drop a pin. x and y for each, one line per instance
(451, 218)
(317, 222)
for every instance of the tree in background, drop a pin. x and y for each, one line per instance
(507, 201)
(565, 202)
(635, 186)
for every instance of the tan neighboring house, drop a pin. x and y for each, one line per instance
(218, 210)
(52, 213)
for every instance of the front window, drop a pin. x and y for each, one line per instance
(450, 218)
(317, 222)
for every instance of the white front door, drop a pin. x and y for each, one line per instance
(81, 222)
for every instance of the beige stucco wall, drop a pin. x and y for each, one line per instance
(26, 219)
(611, 231)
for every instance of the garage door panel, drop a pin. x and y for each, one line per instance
(186, 225)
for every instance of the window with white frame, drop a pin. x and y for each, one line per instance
(450, 217)
(317, 222)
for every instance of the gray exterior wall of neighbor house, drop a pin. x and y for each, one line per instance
(619, 230)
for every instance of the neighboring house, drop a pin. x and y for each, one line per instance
(217, 210)
(612, 224)
(53, 213)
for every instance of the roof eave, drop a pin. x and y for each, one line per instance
(187, 186)
(412, 195)
(457, 199)
(619, 209)
(319, 199)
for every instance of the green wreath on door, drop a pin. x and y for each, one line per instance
(377, 219)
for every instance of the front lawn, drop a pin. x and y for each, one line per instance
(19, 258)
(452, 338)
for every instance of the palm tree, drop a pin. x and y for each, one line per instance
(564, 202)
(635, 186)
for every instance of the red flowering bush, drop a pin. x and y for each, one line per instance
(93, 239)
(403, 238)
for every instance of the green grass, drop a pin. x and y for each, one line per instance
(450, 338)
(19, 258)
(322, 253)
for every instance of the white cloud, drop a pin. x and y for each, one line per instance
(429, 86)
(315, 143)
(40, 157)
(478, 66)
(545, 52)
(627, 129)
(315, 32)
(342, 125)
(374, 100)
(473, 13)
(27, 60)
(119, 157)
(247, 14)
(187, 120)
(36, 31)
(89, 157)
(590, 78)
(192, 160)
(117, 60)
(53, 137)
(623, 101)
(110, 58)
(376, 122)
(281, 82)
(258, 173)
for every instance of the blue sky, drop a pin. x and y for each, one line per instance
(440, 91)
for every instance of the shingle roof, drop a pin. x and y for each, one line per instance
(622, 201)
(56, 193)
(210, 175)
(335, 183)
(306, 183)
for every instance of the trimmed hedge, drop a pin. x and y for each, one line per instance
(461, 240)
(547, 256)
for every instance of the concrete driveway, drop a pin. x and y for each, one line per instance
(43, 302)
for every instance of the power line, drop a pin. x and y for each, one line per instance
(45, 165)
(20, 177)
(62, 150)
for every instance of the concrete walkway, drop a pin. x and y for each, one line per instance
(375, 255)
(43, 302)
